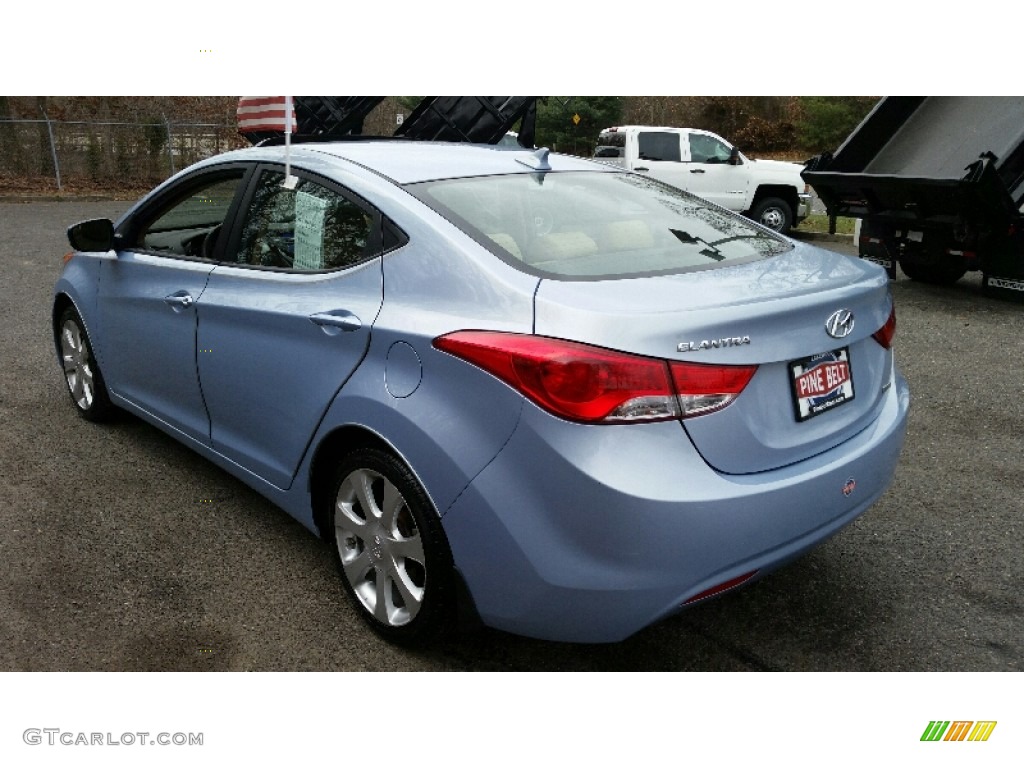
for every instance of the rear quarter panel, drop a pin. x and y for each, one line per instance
(457, 417)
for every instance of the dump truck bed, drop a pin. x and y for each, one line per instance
(928, 159)
(944, 135)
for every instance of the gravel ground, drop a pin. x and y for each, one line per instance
(123, 550)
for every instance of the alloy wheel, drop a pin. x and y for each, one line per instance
(77, 361)
(380, 547)
(773, 218)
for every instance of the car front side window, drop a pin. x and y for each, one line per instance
(190, 224)
(708, 149)
(307, 228)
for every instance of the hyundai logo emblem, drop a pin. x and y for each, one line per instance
(839, 324)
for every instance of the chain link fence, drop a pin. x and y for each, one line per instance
(63, 153)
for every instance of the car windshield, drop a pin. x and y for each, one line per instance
(588, 225)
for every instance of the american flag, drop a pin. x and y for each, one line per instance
(264, 113)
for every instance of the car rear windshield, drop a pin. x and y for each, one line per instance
(590, 225)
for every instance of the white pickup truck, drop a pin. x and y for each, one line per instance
(767, 191)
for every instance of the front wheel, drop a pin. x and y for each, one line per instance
(773, 213)
(392, 553)
(81, 372)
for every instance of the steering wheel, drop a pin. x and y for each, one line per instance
(543, 221)
(210, 242)
(275, 254)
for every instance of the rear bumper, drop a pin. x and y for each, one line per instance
(803, 206)
(588, 534)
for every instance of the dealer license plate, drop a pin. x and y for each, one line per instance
(821, 383)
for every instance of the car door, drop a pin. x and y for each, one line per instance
(711, 176)
(286, 317)
(660, 155)
(148, 293)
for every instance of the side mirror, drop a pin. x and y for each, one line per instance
(734, 157)
(92, 235)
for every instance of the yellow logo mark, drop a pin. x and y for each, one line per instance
(982, 730)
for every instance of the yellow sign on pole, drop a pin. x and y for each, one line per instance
(576, 119)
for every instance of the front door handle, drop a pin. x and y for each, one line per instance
(179, 300)
(641, 168)
(337, 319)
(696, 170)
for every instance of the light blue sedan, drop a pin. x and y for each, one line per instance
(568, 399)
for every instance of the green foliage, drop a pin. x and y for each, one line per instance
(762, 135)
(408, 103)
(124, 155)
(818, 222)
(753, 123)
(826, 121)
(557, 130)
(154, 131)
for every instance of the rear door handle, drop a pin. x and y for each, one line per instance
(179, 300)
(641, 168)
(337, 319)
(696, 170)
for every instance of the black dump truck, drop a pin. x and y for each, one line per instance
(938, 183)
(481, 119)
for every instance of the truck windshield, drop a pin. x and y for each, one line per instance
(588, 225)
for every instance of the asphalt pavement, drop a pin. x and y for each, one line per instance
(122, 550)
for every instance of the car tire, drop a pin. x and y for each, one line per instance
(773, 213)
(390, 549)
(81, 371)
(935, 271)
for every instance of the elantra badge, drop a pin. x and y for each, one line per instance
(698, 346)
(839, 324)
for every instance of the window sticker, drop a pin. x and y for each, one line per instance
(310, 213)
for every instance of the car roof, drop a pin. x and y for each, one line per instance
(664, 128)
(408, 162)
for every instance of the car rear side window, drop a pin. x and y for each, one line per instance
(659, 145)
(308, 228)
(594, 225)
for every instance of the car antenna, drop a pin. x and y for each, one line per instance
(538, 159)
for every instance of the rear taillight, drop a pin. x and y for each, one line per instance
(885, 334)
(594, 385)
(707, 388)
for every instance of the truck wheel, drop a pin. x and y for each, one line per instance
(935, 272)
(773, 213)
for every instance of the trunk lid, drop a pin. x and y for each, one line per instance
(772, 313)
